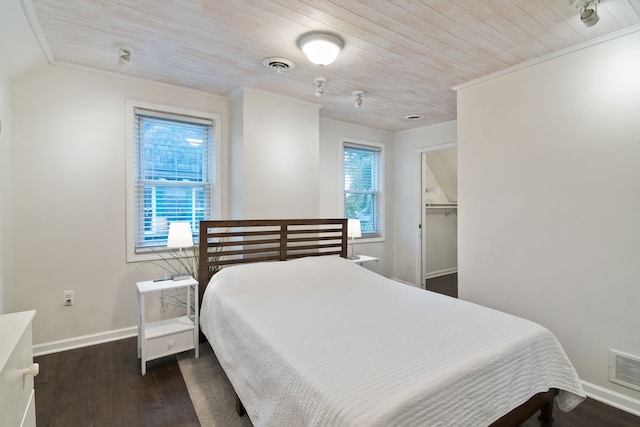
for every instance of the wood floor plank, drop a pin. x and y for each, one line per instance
(589, 413)
(101, 386)
(447, 284)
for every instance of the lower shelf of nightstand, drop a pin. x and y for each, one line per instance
(169, 336)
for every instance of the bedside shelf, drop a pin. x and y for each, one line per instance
(170, 336)
(363, 258)
(168, 327)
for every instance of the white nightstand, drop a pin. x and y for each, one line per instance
(170, 336)
(363, 258)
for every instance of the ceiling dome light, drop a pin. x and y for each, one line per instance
(320, 48)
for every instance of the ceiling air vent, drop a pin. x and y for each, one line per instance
(624, 369)
(277, 64)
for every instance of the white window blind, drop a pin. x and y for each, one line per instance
(174, 174)
(362, 187)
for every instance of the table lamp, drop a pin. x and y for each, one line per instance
(353, 231)
(180, 237)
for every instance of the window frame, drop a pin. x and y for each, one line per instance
(134, 254)
(373, 146)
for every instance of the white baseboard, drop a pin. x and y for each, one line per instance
(84, 341)
(612, 398)
(439, 273)
(405, 282)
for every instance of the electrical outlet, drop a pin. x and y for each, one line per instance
(68, 297)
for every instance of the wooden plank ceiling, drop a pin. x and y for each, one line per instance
(404, 54)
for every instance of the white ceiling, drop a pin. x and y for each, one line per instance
(404, 54)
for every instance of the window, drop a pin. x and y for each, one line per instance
(172, 174)
(363, 178)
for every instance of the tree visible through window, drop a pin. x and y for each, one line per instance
(362, 187)
(174, 174)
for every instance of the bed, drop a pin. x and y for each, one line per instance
(308, 338)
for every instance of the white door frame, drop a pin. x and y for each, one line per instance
(421, 242)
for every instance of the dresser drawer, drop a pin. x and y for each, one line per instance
(16, 388)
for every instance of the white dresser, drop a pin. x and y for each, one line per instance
(17, 397)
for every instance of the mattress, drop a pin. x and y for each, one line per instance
(321, 341)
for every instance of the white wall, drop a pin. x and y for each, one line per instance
(277, 163)
(20, 52)
(549, 185)
(332, 135)
(68, 159)
(236, 157)
(5, 177)
(444, 165)
(69, 175)
(407, 206)
(19, 49)
(441, 234)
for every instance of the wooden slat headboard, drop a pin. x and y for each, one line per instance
(227, 242)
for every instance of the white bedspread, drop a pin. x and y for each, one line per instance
(324, 342)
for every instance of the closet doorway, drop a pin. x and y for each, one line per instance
(439, 172)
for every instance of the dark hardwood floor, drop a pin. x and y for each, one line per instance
(102, 386)
(589, 413)
(447, 284)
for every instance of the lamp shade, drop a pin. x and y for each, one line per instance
(353, 228)
(320, 48)
(180, 235)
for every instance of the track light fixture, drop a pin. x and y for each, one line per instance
(588, 11)
(124, 57)
(320, 83)
(588, 16)
(358, 94)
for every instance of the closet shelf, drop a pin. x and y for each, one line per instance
(441, 205)
(449, 208)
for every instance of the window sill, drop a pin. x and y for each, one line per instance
(367, 240)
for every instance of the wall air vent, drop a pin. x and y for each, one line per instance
(624, 369)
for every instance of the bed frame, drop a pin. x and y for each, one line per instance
(229, 242)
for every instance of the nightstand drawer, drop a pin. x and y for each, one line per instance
(169, 337)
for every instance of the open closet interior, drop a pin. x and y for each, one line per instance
(440, 221)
